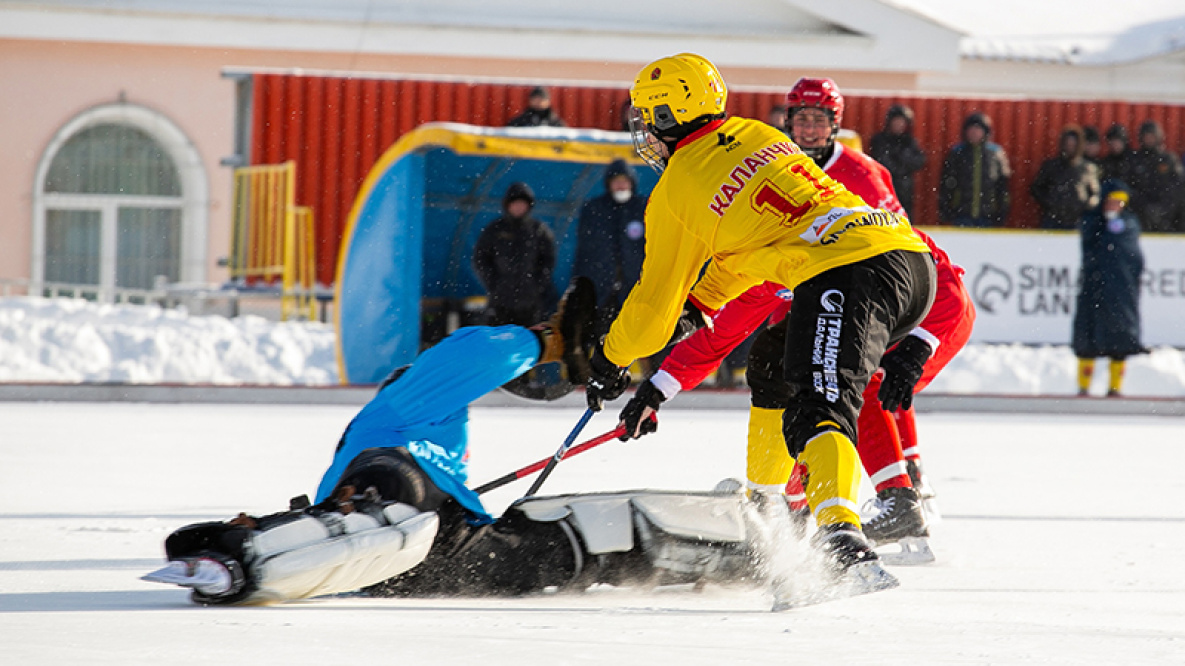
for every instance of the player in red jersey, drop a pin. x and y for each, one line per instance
(887, 435)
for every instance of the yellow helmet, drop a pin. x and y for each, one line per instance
(676, 91)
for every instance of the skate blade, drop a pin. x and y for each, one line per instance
(914, 551)
(861, 579)
(190, 574)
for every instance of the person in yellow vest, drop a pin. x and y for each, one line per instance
(739, 196)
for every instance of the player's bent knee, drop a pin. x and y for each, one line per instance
(801, 424)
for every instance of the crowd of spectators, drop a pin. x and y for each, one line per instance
(1101, 185)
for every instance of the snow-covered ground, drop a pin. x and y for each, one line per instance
(1059, 546)
(65, 340)
(76, 341)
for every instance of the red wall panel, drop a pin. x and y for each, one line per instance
(335, 128)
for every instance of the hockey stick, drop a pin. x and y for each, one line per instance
(536, 466)
(559, 455)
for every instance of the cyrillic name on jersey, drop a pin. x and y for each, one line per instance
(743, 172)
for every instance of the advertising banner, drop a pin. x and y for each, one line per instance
(1025, 283)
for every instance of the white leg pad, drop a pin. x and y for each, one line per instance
(299, 560)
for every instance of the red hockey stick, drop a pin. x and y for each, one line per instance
(535, 467)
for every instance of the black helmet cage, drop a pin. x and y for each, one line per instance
(645, 141)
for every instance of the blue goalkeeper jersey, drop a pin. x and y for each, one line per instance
(427, 409)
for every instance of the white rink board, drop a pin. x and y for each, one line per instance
(1025, 283)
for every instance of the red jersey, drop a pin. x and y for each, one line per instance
(949, 319)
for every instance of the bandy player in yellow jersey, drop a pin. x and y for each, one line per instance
(736, 193)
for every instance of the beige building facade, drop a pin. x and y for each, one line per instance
(83, 83)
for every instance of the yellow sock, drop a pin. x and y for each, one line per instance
(1116, 379)
(833, 481)
(769, 464)
(1085, 372)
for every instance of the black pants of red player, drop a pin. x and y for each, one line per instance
(816, 363)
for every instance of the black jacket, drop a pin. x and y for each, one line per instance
(533, 118)
(514, 259)
(903, 157)
(1065, 189)
(1157, 181)
(611, 241)
(1107, 316)
(960, 195)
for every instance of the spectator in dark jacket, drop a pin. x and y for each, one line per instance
(1156, 181)
(538, 112)
(1117, 164)
(896, 148)
(1066, 186)
(973, 189)
(611, 241)
(514, 258)
(1092, 145)
(1107, 316)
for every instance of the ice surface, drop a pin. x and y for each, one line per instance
(1058, 546)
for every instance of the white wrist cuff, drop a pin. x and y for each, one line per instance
(929, 337)
(663, 381)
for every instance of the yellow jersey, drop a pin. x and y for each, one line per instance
(741, 194)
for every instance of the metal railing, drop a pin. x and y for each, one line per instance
(91, 292)
(273, 239)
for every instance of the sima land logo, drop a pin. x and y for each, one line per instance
(1036, 290)
(991, 289)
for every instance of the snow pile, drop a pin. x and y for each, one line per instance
(65, 340)
(62, 340)
(1052, 370)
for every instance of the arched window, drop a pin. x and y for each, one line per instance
(120, 204)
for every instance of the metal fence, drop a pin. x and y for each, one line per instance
(273, 239)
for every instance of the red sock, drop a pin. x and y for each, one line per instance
(907, 428)
(795, 492)
(879, 443)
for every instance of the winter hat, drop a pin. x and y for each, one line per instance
(1151, 127)
(1090, 134)
(519, 191)
(899, 111)
(540, 91)
(1113, 188)
(1117, 131)
(978, 118)
(1076, 132)
(620, 167)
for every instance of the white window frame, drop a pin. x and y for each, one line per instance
(193, 202)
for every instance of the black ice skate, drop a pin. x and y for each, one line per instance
(925, 491)
(900, 519)
(850, 568)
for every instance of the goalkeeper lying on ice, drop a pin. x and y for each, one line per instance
(393, 517)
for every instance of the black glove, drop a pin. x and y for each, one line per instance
(690, 320)
(903, 368)
(635, 417)
(606, 381)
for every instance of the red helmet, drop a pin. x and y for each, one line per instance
(817, 93)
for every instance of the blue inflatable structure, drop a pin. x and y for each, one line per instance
(410, 235)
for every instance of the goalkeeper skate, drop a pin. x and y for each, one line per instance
(847, 567)
(344, 543)
(899, 519)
